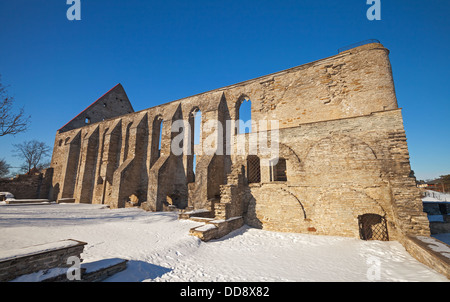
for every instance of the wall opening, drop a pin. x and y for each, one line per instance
(157, 133)
(244, 116)
(253, 169)
(372, 227)
(278, 171)
(197, 126)
(160, 137)
(194, 166)
(195, 121)
(127, 142)
(158, 130)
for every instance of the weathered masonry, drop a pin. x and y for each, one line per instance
(341, 168)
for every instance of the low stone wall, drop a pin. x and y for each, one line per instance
(28, 186)
(430, 251)
(15, 263)
(102, 269)
(215, 229)
(196, 214)
(25, 201)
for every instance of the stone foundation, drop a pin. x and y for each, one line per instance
(28, 260)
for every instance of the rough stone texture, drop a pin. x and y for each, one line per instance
(35, 186)
(338, 170)
(32, 262)
(102, 269)
(429, 251)
(114, 103)
(340, 131)
(215, 229)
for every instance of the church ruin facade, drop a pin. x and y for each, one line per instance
(325, 153)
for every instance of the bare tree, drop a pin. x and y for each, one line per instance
(24, 168)
(11, 122)
(4, 168)
(32, 152)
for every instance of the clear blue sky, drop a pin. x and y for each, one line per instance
(165, 50)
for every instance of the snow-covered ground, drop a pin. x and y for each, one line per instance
(431, 196)
(159, 248)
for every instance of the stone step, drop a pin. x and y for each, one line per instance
(217, 228)
(196, 213)
(95, 271)
(205, 232)
(26, 201)
(201, 219)
(66, 200)
(100, 270)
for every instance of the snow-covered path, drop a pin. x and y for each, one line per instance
(159, 248)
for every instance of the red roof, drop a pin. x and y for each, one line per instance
(89, 106)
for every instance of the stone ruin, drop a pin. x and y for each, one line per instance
(325, 153)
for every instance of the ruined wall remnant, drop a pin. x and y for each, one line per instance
(112, 104)
(341, 152)
(33, 186)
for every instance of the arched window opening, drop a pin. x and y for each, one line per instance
(244, 116)
(156, 138)
(253, 169)
(160, 137)
(279, 170)
(197, 125)
(87, 120)
(160, 134)
(196, 136)
(373, 227)
(127, 141)
(194, 166)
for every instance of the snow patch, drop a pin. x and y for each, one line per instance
(158, 247)
(6, 255)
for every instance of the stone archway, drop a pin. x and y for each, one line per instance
(373, 227)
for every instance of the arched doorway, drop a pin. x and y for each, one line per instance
(373, 227)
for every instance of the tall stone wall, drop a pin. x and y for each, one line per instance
(36, 186)
(341, 134)
(337, 171)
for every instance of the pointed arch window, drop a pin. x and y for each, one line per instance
(160, 136)
(244, 115)
(195, 122)
(197, 126)
(158, 124)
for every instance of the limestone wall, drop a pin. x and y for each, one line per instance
(15, 263)
(28, 186)
(341, 134)
(336, 171)
(112, 104)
